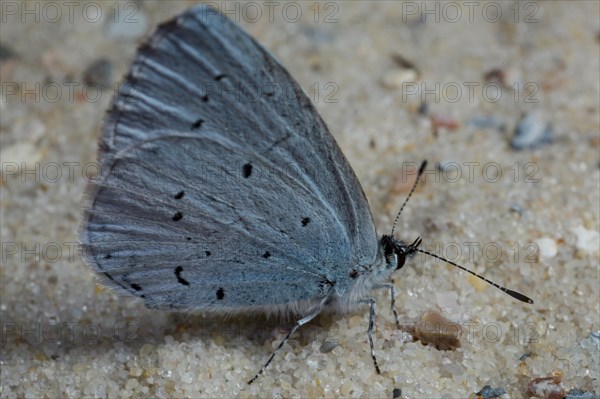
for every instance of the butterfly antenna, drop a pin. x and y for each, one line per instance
(421, 170)
(514, 294)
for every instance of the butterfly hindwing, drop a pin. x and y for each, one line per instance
(210, 197)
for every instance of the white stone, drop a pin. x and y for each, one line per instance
(396, 78)
(547, 247)
(587, 240)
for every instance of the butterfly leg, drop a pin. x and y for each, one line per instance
(299, 323)
(371, 302)
(393, 297)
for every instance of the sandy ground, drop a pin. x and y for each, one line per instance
(526, 218)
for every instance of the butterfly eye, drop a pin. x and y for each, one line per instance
(401, 255)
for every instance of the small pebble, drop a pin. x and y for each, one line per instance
(488, 392)
(547, 247)
(495, 74)
(507, 77)
(396, 393)
(7, 60)
(516, 208)
(423, 109)
(451, 170)
(404, 63)
(525, 356)
(394, 79)
(433, 328)
(532, 131)
(587, 240)
(448, 166)
(6, 53)
(477, 283)
(99, 72)
(581, 394)
(487, 122)
(443, 121)
(407, 72)
(547, 387)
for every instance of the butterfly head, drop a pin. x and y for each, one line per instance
(396, 252)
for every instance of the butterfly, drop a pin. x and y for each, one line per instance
(222, 189)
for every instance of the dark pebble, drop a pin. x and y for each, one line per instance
(525, 356)
(518, 209)
(6, 53)
(396, 393)
(495, 75)
(404, 63)
(532, 131)
(488, 392)
(581, 394)
(99, 72)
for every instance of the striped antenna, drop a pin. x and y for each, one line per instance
(514, 294)
(421, 170)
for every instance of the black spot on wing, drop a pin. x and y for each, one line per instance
(305, 221)
(220, 293)
(247, 170)
(177, 216)
(180, 279)
(198, 124)
(266, 255)
(179, 195)
(135, 286)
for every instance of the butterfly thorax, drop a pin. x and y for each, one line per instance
(391, 256)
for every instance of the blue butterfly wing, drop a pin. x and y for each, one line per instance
(221, 186)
